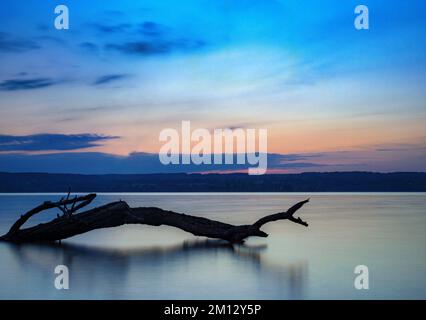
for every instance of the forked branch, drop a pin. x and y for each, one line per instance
(284, 215)
(61, 204)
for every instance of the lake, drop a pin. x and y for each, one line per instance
(384, 231)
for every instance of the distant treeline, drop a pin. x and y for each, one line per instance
(304, 182)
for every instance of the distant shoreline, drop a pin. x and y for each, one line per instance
(218, 183)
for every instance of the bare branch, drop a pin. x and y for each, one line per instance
(49, 205)
(284, 215)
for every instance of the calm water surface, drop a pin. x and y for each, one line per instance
(386, 232)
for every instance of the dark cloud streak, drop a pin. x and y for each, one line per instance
(138, 162)
(50, 142)
(156, 47)
(109, 78)
(89, 46)
(26, 84)
(152, 29)
(112, 28)
(8, 43)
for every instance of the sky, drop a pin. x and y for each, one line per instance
(94, 98)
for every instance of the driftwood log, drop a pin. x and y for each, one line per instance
(119, 213)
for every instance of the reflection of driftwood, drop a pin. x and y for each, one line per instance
(119, 213)
(151, 264)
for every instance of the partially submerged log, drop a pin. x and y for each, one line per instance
(119, 213)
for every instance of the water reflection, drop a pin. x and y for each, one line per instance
(193, 269)
(307, 263)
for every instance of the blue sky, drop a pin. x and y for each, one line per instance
(340, 98)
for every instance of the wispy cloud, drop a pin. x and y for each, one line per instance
(26, 84)
(150, 28)
(150, 38)
(8, 43)
(147, 28)
(157, 46)
(399, 147)
(109, 78)
(112, 28)
(48, 142)
(145, 38)
(89, 47)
